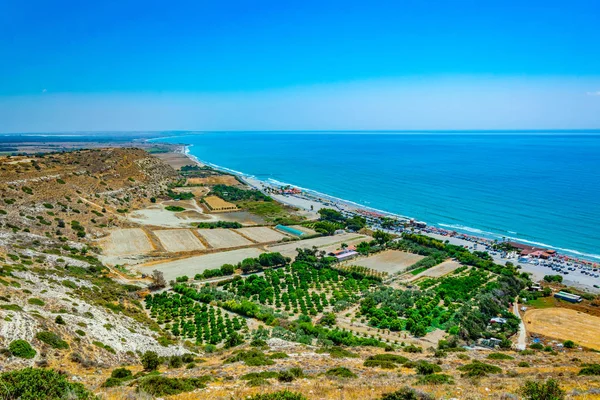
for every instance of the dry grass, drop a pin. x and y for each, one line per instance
(565, 324)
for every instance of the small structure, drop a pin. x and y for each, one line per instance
(498, 320)
(217, 204)
(571, 298)
(344, 254)
(290, 230)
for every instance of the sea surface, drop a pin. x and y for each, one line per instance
(539, 188)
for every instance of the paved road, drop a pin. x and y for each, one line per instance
(522, 334)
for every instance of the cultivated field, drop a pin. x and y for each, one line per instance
(122, 242)
(390, 261)
(223, 238)
(175, 240)
(175, 160)
(194, 265)
(261, 234)
(439, 270)
(565, 324)
(324, 243)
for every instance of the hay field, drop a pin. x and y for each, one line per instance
(175, 240)
(564, 324)
(323, 242)
(198, 264)
(122, 242)
(223, 238)
(438, 271)
(261, 234)
(390, 261)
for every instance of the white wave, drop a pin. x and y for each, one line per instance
(468, 229)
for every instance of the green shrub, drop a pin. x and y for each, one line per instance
(36, 302)
(21, 348)
(282, 395)
(150, 361)
(35, 384)
(340, 372)
(536, 346)
(523, 364)
(548, 390)
(252, 358)
(499, 356)
(174, 208)
(413, 349)
(435, 379)
(278, 355)
(121, 373)
(162, 386)
(59, 320)
(569, 344)
(389, 357)
(260, 375)
(406, 393)
(175, 362)
(286, 376)
(112, 382)
(380, 364)
(527, 352)
(477, 368)
(52, 339)
(590, 369)
(425, 368)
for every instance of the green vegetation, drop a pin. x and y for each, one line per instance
(52, 339)
(406, 393)
(435, 379)
(553, 278)
(252, 358)
(174, 208)
(590, 369)
(185, 317)
(180, 195)
(150, 361)
(548, 390)
(477, 368)
(162, 386)
(499, 356)
(34, 384)
(118, 377)
(340, 372)
(219, 224)
(282, 395)
(233, 194)
(337, 352)
(36, 302)
(21, 348)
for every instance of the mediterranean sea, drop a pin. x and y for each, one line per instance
(541, 188)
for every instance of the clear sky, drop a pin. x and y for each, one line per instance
(251, 65)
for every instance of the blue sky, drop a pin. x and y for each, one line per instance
(74, 65)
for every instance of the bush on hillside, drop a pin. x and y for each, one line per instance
(548, 390)
(35, 384)
(162, 386)
(282, 395)
(52, 339)
(21, 348)
(406, 393)
(340, 372)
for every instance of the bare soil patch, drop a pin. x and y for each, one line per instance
(198, 264)
(261, 234)
(175, 160)
(564, 324)
(214, 180)
(123, 242)
(390, 261)
(439, 270)
(323, 242)
(223, 238)
(175, 240)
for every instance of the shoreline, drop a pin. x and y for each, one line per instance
(323, 200)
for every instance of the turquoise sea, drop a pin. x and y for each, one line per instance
(540, 188)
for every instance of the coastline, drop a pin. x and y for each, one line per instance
(321, 200)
